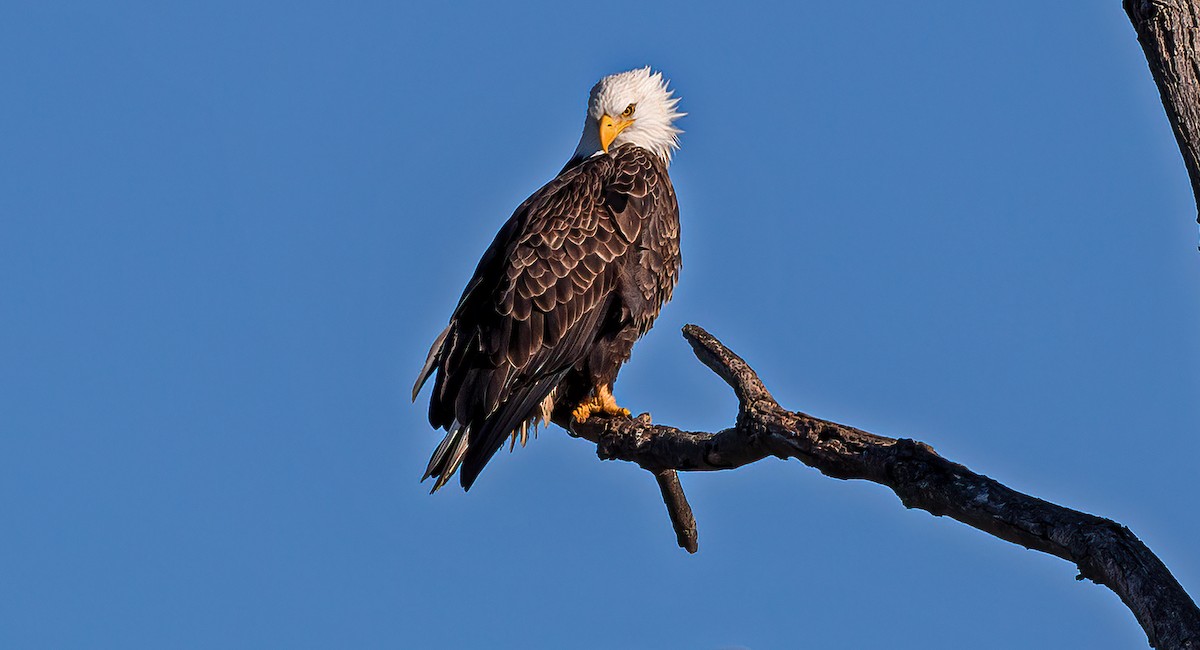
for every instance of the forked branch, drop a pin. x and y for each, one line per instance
(1105, 552)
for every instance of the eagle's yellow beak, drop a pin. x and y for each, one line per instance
(610, 128)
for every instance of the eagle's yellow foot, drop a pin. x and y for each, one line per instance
(602, 403)
(583, 411)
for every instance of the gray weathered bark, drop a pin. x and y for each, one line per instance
(1169, 31)
(1105, 552)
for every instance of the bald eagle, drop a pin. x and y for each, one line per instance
(574, 278)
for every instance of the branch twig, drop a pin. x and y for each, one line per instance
(1105, 552)
(678, 509)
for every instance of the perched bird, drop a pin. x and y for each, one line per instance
(572, 280)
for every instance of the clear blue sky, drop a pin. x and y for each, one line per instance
(229, 232)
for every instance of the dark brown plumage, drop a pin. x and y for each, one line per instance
(572, 280)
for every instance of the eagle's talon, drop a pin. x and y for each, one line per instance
(583, 412)
(615, 411)
(602, 403)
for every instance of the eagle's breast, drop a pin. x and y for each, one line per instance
(645, 211)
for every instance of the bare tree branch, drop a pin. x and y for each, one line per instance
(1105, 552)
(1169, 31)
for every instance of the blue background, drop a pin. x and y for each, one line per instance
(229, 232)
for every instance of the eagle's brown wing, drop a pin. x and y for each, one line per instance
(530, 314)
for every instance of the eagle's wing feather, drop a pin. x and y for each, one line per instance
(530, 314)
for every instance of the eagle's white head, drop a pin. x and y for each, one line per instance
(632, 107)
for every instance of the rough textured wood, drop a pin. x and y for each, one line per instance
(678, 509)
(1105, 551)
(1169, 31)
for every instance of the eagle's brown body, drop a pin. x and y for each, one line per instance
(572, 280)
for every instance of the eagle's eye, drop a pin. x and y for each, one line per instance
(628, 112)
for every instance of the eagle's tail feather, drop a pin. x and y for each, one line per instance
(524, 406)
(513, 418)
(448, 456)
